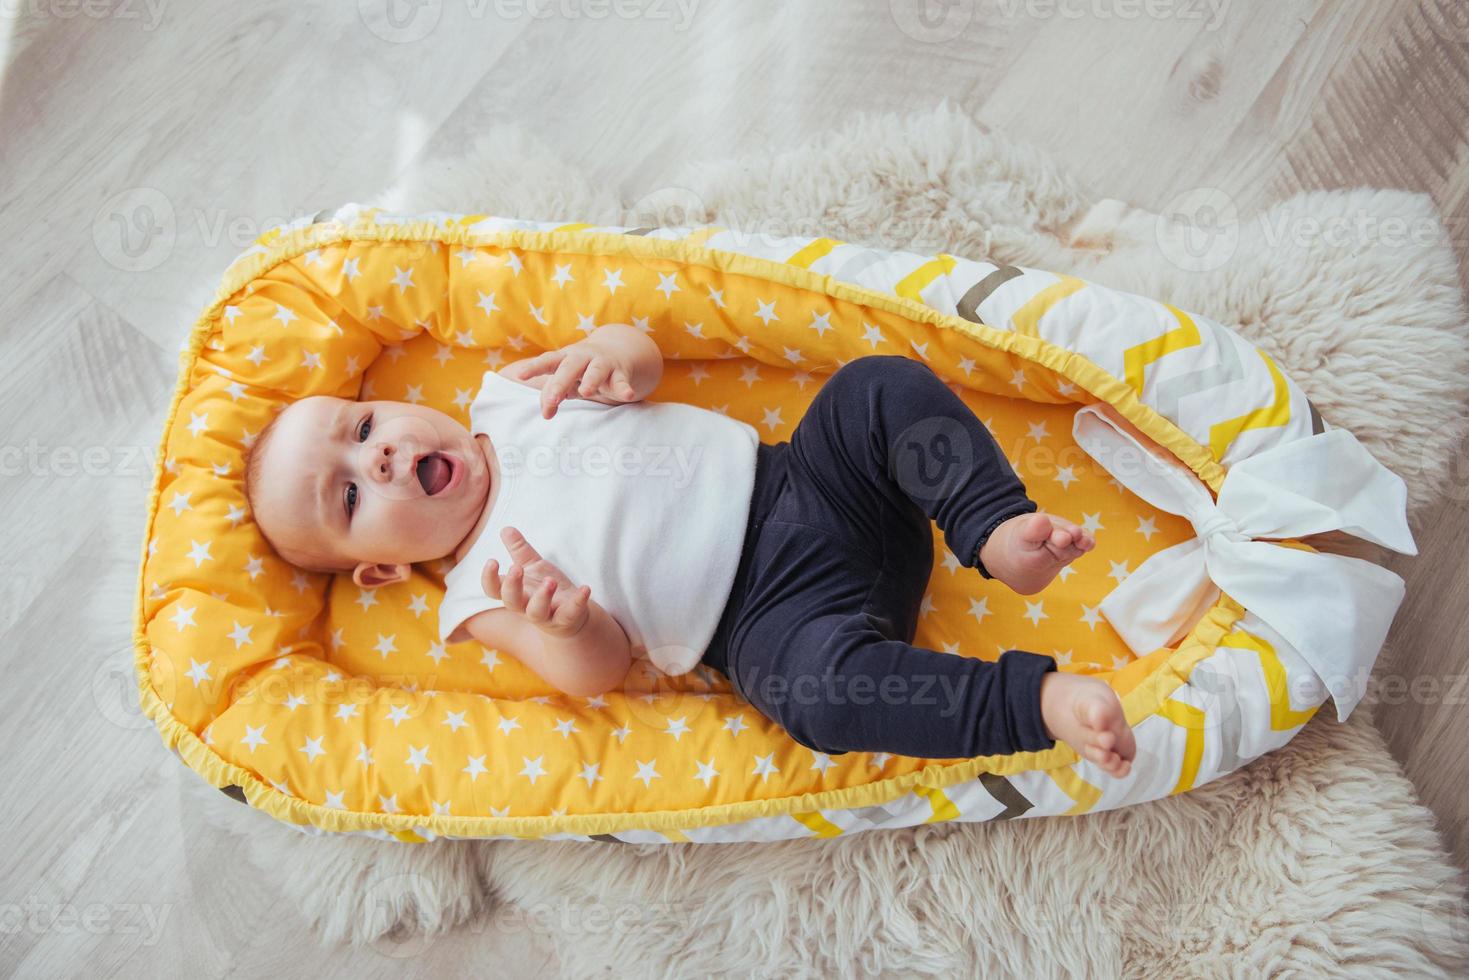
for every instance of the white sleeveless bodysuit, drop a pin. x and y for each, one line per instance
(646, 503)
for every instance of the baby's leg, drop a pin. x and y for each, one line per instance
(822, 643)
(889, 423)
(837, 684)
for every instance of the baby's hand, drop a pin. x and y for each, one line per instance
(591, 367)
(536, 589)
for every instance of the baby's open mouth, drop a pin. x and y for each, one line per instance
(434, 473)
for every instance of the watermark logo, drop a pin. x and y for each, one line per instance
(1454, 483)
(932, 21)
(135, 229)
(138, 228)
(37, 918)
(1449, 19)
(1445, 917)
(1211, 12)
(115, 689)
(35, 459)
(390, 906)
(667, 207)
(679, 12)
(148, 13)
(593, 918)
(664, 703)
(400, 21)
(1198, 230)
(676, 207)
(407, 21)
(565, 460)
(932, 458)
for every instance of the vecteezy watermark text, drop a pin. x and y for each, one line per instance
(94, 918)
(35, 459)
(147, 12)
(565, 459)
(1200, 229)
(1211, 12)
(406, 21)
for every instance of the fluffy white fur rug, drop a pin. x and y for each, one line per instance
(1315, 859)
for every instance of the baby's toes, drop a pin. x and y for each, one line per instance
(1100, 714)
(1127, 745)
(1063, 553)
(1035, 530)
(1069, 554)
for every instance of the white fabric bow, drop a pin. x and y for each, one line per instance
(1333, 610)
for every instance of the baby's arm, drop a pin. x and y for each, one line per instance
(550, 624)
(615, 365)
(593, 661)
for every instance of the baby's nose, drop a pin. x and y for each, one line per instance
(383, 465)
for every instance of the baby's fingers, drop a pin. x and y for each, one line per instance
(621, 387)
(489, 579)
(531, 366)
(538, 610)
(513, 589)
(573, 606)
(596, 373)
(562, 381)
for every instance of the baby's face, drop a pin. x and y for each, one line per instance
(372, 481)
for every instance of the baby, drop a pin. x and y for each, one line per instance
(788, 566)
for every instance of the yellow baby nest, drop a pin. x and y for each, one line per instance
(334, 709)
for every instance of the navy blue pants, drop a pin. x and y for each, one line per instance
(838, 551)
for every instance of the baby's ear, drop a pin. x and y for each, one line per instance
(370, 576)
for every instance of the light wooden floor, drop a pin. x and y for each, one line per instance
(235, 115)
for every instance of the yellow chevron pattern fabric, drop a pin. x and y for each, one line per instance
(335, 709)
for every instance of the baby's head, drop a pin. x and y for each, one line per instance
(365, 487)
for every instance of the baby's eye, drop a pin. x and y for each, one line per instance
(351, 499)
(363, 428)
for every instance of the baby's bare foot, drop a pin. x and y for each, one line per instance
(1085, 713)
(1027, 551)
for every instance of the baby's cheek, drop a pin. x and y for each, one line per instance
(412, 521)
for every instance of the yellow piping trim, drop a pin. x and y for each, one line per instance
(1222, 434)
(1027, 319)
(1141, 702)
(914, 283)
(1136, 359)
(812, 252)
(1191, 719)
